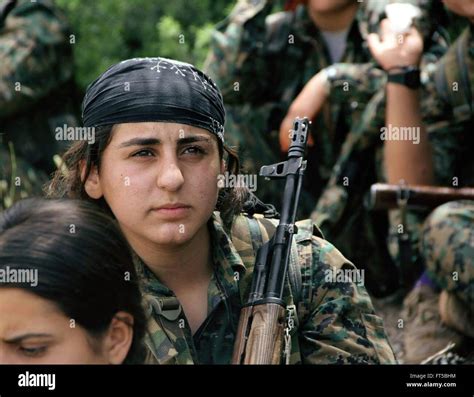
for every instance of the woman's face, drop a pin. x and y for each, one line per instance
(34, 331)
(160, 180)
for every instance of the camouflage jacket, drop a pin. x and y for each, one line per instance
(338, 326)
(36, 86)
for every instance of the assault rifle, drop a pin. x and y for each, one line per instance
(261, 330)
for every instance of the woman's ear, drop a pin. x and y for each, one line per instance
(223, 166)
(119, 338)
(92, 184)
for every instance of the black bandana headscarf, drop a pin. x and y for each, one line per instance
(154, 89)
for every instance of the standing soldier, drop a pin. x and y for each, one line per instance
(439, 309)
(36, 94)
(264, 62)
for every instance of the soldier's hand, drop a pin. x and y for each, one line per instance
(308, 103)
(393, 50)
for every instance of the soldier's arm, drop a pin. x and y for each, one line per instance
(338, 83)
(236, 61)
(341, 327)
(358, 83)
(35, 55)
(407, 159)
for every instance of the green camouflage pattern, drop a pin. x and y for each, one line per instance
(260, 72)
(448, 112)
(447, 246)
(447, 243)
(36, 92)
(339, 325)
(448, 116)
(340, 209)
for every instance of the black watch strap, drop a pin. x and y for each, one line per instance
(408, 76)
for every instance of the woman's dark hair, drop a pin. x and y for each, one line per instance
(69, 181)
(84, 263)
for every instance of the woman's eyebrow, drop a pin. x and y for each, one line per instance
(156, 141)
(140, 142)
(19, 338)
(192, 139)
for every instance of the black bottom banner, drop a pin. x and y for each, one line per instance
(143, 380)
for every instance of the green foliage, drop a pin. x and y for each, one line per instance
(108, 31)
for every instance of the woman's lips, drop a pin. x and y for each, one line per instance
(172, 211)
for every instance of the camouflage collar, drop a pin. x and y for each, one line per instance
(224, 254)
(225, 257)
(305, 27)
(149, 282)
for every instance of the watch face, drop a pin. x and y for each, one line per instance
(412, 79)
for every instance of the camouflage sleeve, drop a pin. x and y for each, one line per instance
(350, 81)
(236, 51)
(444, 130)
(35, 55)
(341, 326)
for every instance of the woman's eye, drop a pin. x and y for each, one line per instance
(33, 351)
(143, 153)
(193, 150)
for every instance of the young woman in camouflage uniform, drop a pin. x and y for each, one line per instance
(155, 164)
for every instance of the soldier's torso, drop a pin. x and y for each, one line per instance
(170, 340)
(452, 104)
(42, 84)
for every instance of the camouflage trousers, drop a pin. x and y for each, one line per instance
(447, 247)
(18, 179)
(412, 228)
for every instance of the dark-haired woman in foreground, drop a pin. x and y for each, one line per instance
(68, 288)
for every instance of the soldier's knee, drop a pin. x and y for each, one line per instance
(447, 244)
(449, 218)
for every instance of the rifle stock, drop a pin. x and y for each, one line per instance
(264, 340)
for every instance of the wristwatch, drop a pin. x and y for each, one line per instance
(408, 76)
